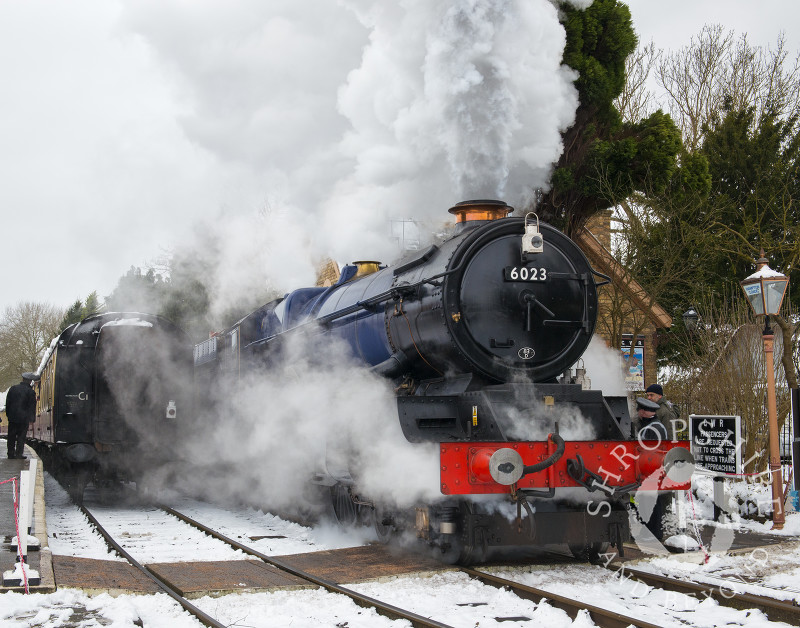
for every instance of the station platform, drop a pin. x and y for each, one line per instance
(39, 559)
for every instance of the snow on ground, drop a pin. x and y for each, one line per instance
(148, 534)
(154, 536)
(68, 529)
(307, 608)
(69, 607)
(775, 571)
(768, 570)
(69, 532)
(455, 599)
(269, 534)
(772, 571)
(752, 498)
(607, 589)
(451, 598)
(448, 597)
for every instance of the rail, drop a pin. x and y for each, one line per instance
(600, 616)
(775, 610)
(162, 584)
(387, 610)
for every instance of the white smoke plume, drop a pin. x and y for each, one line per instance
(604, 366)
(327, 120)
(531, 419)
(311, 412)
(340, 116)
(451, 101)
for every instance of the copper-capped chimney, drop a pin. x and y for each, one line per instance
(482, 210)
(366, 267)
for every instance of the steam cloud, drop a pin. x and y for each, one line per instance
(605, 368)
(331, 119)
(261, 439)
(313, 412)
(337, 117)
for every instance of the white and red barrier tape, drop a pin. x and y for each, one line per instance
(16, 525)
(716, 474)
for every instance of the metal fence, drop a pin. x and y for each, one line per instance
(785, 444)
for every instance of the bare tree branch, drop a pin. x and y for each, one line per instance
(636, 101)
(26, 330)
(715, 67)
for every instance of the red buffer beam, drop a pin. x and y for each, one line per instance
(492, 467)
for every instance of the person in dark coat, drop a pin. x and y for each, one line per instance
(649, 425)
(667, 412)
(21, 413)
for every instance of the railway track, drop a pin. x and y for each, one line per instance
(165, 587)
(600, 616)
(603, 617)
(387, 610)
(722, 592)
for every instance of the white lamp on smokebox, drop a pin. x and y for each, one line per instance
(764, 290)
(532, 240)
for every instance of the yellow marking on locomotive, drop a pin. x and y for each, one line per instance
(474, 416)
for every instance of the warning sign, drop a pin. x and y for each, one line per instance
(716, 442)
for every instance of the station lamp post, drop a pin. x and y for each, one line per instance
(764, 290)
(691, 320)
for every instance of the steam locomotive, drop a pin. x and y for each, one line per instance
(108, 396)
(476, 332)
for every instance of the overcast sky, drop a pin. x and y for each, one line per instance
(124, 124)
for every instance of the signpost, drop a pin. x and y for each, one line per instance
(716, 444)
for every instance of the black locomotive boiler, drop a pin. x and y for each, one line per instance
(477, 332)
(108, 396)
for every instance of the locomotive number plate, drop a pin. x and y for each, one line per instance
(523, 273)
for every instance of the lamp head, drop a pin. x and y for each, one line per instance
(765, 288)
(690, 319)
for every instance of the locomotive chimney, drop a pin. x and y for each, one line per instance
(367, 267)
(479, 210)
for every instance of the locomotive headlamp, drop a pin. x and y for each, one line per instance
(532, 241)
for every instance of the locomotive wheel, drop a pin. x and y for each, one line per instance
(451, 551)
(343, 507)
(385, 524)
(478, 552)
(588, 552)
